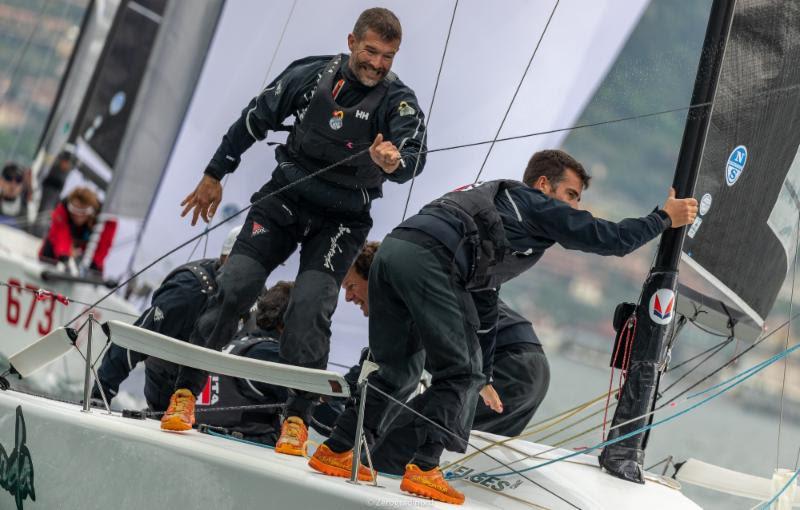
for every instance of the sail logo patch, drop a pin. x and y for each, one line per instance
(735, 166)
(662, 303)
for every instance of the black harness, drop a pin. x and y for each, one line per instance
(328, 133)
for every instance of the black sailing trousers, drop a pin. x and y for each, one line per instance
(329, 242)
(419, 310)
(521, 378)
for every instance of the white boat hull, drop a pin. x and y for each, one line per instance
(96, 460)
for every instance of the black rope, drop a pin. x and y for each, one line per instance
(519, 86)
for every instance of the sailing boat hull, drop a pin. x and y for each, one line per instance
(96, 460)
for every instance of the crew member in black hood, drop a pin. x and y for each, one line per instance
(343, 105)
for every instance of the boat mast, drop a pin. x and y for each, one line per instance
(656, 307)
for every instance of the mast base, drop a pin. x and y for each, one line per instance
(623, 462)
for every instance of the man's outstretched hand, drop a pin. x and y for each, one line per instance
(384, 154)
(204, 200)
(682, 211)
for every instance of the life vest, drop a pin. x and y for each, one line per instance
(328, 133)
(224, 391)
(205, 270)
(491, 259)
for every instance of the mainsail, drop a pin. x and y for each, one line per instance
(745, 237)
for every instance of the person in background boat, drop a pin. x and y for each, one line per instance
(51, 188)
(174, 308)
(350, 111)
(521, 376)
(434, 284)
(72, 225)
(13, 196)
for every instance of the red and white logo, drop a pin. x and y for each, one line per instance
(210, 393)
(661, 306)
(258, 229)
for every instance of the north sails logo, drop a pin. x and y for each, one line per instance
(258, 229)
(16, 469)
(661, 304)
(335, 247)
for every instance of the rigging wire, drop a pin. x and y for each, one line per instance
(430, 110)
(224, 221)
(356, 155)
(461, 439)
(71, 300)
(588, 404)
(278, 46)
(722, 388)
(516, 91)
(788, 334)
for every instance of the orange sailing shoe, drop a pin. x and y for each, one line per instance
(294, 435)
(429, 484)
(330, 463)
(180, 413)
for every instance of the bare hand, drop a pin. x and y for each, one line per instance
(204, 199)
(491, 399)
(682, 211)
(385, 154)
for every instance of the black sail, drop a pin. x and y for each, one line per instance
(746, 235)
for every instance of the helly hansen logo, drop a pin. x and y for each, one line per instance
(661, 304)
(258, 229)
(362, 115)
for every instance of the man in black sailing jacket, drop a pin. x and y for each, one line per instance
(343, 105)
(434, 283)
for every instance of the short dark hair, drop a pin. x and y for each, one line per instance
(381, 21)
(364, 260)
(272, 305)
(551, 164)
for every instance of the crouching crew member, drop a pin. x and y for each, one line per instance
(521, 377)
